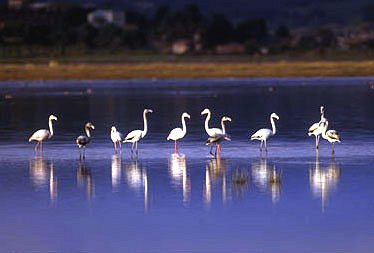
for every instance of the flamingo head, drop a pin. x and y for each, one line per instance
(90, 125)
(113, 129)
(206, 111)
(52, 117)
(186, 115)
(322, 109)
(274, 115)
(147, 111)
(225, 118)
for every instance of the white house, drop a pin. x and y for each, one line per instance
(100, 18)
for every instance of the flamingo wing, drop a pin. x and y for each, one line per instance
(40, 135)
(262, 134)
(133, 136)
(333, 135)
(175, 134)
(82, 140)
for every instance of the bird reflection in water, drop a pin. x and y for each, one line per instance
(40, 172)
(215, 173)
(178, 173)
(116, 171)
(267, 178)
(323, 180)
(84, 179)
(137, 179)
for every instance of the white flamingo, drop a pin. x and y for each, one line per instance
(317, 128)
(116, 137)
(178, 133)
(210, 131)
(83, 140)
(331, 136)
(264, 134)
(218, 138)
(43, 134)
(136, 135)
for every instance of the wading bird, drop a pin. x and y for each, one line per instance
(116, 137)
(317, 128)
(210, 131)
(83, 140)
(136, 135)
(265, 133)
(218, 138)
(331, 136)
(178, 133)
(43, 134)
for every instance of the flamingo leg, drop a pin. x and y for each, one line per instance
(115, 146)
(120, 145)
(41, 146)
(333, 151)
(136, 148)
(317, 141)
(36, 148)
(266, 147)
(211, 149)
(218, 151)
(175, 146)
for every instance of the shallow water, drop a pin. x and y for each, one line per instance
(193, 203)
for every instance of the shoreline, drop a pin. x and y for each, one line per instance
(184, 70)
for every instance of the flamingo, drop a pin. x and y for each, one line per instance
(178, 133)
(218, 138)
(136, 135)
(264, 134)
(82, 141)
(43, 134)
(317, 128)
(331, 136)
(116, 137)
(210, 131)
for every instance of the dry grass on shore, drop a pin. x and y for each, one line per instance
(164, 70)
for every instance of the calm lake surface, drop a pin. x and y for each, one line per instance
(191, 203)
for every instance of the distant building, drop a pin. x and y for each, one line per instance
(16, 4)
(100, 18)
(180, 47)
(231, 48)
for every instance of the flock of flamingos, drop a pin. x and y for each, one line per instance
(216, 135)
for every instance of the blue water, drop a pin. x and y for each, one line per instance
(192, 203)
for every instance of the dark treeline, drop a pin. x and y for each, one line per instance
(185, 30)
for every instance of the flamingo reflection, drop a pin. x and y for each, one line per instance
(178, 173)
(215, 173)
(42, 176)
(137, 179)
(116, 171)
(267, 177)
(323, 180)
(84, 179)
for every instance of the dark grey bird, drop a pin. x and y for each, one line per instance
(216, 139)
(83, 140)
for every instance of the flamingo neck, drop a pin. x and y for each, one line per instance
(273, 125)
(184, 129)
(223, 126)
(207, 123)
(325, 130)
(50, 128)
(87, 132)
(145, 124)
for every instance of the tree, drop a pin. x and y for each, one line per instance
(219, 31)
(255, 30)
